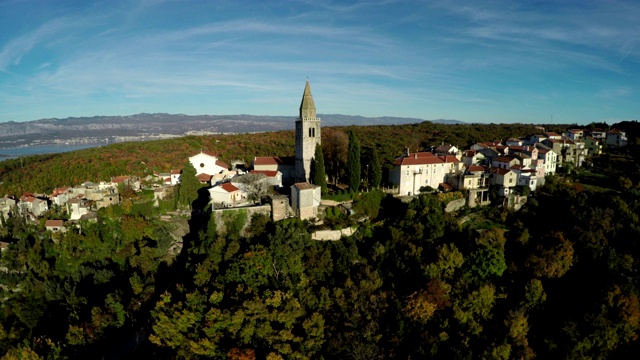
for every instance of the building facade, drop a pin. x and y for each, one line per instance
(307, 135)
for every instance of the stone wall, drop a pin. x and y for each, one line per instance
(455, 205)
(332, 235)
(220, 226)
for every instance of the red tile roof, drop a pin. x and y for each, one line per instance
(267, 173)
(476, 168)
(265, 160)
(229, 187)
(56, 223)
(425, 158)
(446, 186)
(119, 179)
(500, 171)
(202, 177)
(304, 186)
(504, 159)
(176, 172)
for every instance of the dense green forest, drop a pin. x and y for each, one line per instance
(557, 279)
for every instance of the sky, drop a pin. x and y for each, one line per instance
(474, 61)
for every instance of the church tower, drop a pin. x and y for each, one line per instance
(307, 135)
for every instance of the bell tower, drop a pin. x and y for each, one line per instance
(307, 135)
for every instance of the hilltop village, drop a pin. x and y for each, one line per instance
(510, 170)
(437, 256)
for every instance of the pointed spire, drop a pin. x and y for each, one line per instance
(307, 107)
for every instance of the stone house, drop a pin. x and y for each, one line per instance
(305, 199)
(271, 178)
(55, 226)
(616, 138)
(415, 171)
(226, 194)
(504, 179)
(592, 146)
(7, 206)
(286, 165)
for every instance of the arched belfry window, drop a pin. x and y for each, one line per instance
(309, 132)
(313, 132)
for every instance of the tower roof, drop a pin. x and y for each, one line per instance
(307, 107)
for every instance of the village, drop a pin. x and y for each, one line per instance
(513, 169)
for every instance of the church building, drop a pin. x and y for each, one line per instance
(307, 135)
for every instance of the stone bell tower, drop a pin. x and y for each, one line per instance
(307, 135)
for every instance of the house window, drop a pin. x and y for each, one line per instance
(201, 165)
(510, 180)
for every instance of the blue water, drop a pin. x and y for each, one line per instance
(43, 149)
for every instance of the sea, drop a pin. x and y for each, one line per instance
(14, 153)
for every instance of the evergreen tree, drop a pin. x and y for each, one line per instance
(375, 168)
(189, 185)
(318, 175)
(353, 162)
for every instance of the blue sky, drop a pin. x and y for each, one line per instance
(476, 61)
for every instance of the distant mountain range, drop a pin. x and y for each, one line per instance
(14, 134)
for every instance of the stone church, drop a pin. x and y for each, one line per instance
(307, 135)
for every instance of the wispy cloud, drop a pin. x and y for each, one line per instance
(13, 51)
(616, 92)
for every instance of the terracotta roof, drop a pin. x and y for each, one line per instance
(504, 159)
(266, 160)
(500, 171)
(476, 168)
(228, 187)
(614, 131)
(424, 159)
(56, 223)
(446, 186)
(222, 164)
(304, 186)
(517, 167)
(203, 177)
(176, 172)
(267, 173)
(551, 133)
(119, 179)
(470, 153)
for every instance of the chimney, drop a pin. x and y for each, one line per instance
(415, 156)
(406, 152)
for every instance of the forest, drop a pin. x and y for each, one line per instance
(557, 279)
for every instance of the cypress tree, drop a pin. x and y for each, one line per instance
(189, 186)
(318, 175)
(353, 162)
(376, 169)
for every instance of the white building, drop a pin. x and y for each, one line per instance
(415, 171)
(305, 199)
(207, 163)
